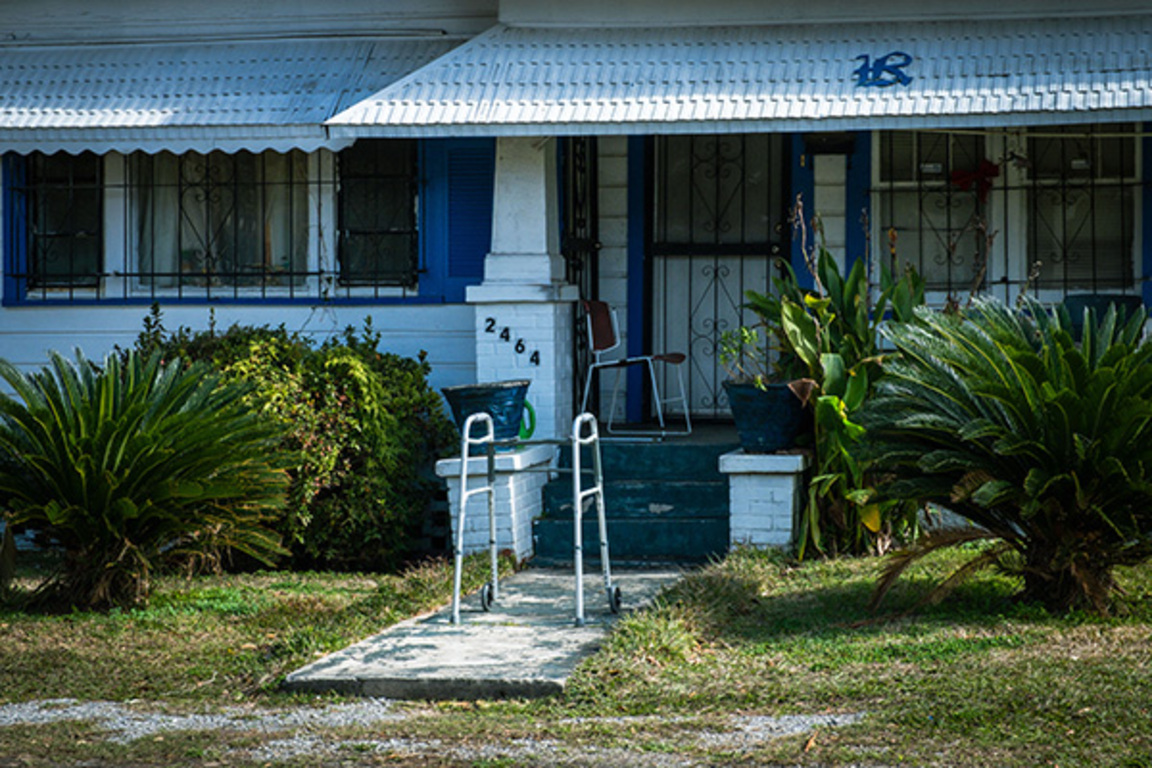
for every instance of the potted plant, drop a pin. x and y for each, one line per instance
(830, 334)
(767, 402)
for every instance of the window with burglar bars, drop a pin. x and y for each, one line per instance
(1082, 208)
(1048, 210)
(378, 243)
(218, 220)
(929, 221)
(214, 225)
(60, 199)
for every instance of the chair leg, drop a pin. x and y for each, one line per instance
(656, 398)
(587, 389)
(615, 394)
(684, 401)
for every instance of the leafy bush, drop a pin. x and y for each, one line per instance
(1043, 444)
(364, 425)
(831, 335)
(133, 467)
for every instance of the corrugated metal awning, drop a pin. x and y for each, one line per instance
(269, 94)
(555, 81)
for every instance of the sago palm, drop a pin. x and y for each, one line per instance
(1043, 444)
(133, 465)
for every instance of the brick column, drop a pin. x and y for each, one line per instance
(518, 485)
(765, 493)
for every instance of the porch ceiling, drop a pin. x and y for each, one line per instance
(194, 95)
(529, 81)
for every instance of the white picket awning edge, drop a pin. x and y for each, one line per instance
(255, 95)
(913, 75)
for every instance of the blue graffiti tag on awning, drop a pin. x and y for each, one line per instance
(883, 71)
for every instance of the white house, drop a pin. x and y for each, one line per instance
(465, 170)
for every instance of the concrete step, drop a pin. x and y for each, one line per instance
(632, 540)
(665, 502)
(644, 498)
(657, 460)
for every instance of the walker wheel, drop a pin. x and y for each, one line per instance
(615, 599)
(486, 596)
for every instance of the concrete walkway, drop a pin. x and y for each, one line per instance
(526, 646)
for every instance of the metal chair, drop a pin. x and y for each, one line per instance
(603, 338)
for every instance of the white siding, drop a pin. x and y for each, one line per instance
(445, 331)
(613, 263)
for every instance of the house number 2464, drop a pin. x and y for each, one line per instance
(505, 334)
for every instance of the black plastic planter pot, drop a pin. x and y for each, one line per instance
(767, 420)
(502, 400)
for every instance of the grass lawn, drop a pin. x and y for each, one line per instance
(976, 681)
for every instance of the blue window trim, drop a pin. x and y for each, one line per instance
(1146, 212)
(804, 186)
(438, 282)
(15, 227)
(858, 199)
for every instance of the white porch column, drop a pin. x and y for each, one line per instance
(524, 307)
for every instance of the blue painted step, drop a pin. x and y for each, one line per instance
(657, 461)
(645, 498)
(665, 502)
(633, 541)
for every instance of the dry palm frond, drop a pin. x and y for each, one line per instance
(899, 561)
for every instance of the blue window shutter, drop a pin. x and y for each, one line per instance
(471, 174)
(15, 231)
(456, 214)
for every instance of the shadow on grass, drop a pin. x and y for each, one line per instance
(830, 600)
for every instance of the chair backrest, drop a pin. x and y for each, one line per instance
(603, 335)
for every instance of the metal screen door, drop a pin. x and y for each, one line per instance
(718, 218)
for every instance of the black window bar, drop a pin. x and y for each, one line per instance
(216, 226)
(1072, 191)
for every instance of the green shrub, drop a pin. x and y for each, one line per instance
(1045, 446)
(831, 336)
(133, 467)
(364, 425)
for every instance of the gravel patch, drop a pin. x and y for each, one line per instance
(125, 723)
(750, 730)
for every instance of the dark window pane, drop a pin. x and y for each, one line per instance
(897, 156)
(378, 232)
(64, 208)
(719, 190)
(376, 259)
